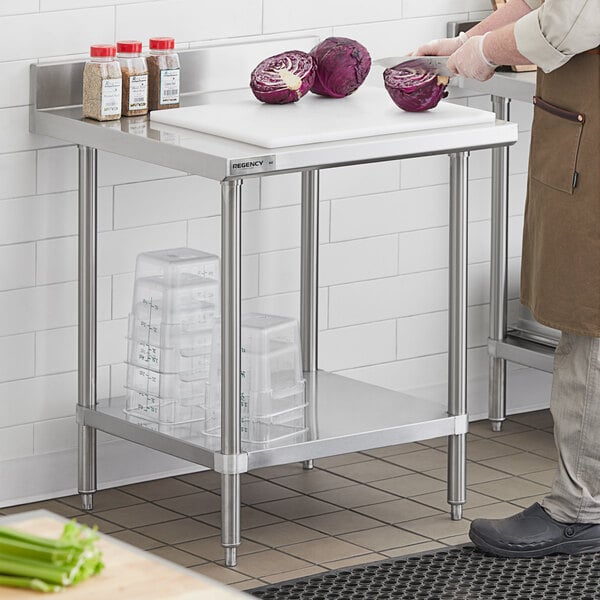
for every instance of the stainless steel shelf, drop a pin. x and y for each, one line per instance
(523, 352)
(533, 337)
(343, 415)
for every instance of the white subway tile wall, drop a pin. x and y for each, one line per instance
(55, 33)
(397, 37)
(384, 258)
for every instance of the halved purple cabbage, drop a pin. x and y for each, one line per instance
(283, 78)
(413, 87)
(342, 65)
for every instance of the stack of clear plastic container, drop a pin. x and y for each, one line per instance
(272, 387)
(176, 302)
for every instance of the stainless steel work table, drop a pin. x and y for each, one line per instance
(344, 415)
(524, 342)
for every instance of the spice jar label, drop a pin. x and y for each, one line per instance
(169, 86)
(111, 97)
(138, 92)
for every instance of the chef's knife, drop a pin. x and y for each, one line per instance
(436, 64)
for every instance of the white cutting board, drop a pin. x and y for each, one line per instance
(367, 112)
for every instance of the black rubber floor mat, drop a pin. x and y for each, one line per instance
(462, 572)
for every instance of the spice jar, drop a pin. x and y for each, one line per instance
(102, 84)
(163, 74)
(135, 78)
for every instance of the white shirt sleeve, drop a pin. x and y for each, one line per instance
(534, 3)
(552, 34)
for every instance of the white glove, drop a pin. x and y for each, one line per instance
(470, 61)
(442, 47)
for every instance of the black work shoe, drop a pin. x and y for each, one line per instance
(532, 533)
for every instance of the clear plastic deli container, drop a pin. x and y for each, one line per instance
(257, 435)
(166, 385)
(164, 410)
(267, 407)
(275, 371)
(185, 336)
(263, 333)
(271, 353)
(153, 299)
(177, 264)
(273, 397)
(183, 430)
(168, 360)
(175, 303)
(149, 326)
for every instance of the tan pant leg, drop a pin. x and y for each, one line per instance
(575, 406)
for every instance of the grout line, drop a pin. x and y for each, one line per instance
(311, 495)
(411, 498)
(282, 550)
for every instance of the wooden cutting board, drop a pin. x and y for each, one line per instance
(129, 574)
(368, 112)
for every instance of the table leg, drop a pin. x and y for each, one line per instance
(499, 270)
(88, 234)
(231, 312)
(457, 328)
(309, 279)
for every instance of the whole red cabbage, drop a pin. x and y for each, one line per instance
(283, 78)
(342, 65)
(413, 87)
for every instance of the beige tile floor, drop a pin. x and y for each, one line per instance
(350, 509)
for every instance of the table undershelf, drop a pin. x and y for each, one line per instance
(343, 415)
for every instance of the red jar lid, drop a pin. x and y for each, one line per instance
(102, 50)
(162, 43)
(129, 46)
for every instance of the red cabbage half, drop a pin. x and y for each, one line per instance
(413, 87)
(342, 65)
(283, 78)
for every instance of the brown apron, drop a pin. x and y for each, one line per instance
(560, 276)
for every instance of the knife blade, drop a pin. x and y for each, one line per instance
(436, 64)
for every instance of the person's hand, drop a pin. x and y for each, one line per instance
(470, 61)
(441, 47)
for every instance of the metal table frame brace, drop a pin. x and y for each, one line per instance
(232, 461)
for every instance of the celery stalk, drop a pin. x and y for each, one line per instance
(37, 569)
(34, 539)
(29, 584)
(48, 564)
(15, 548)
